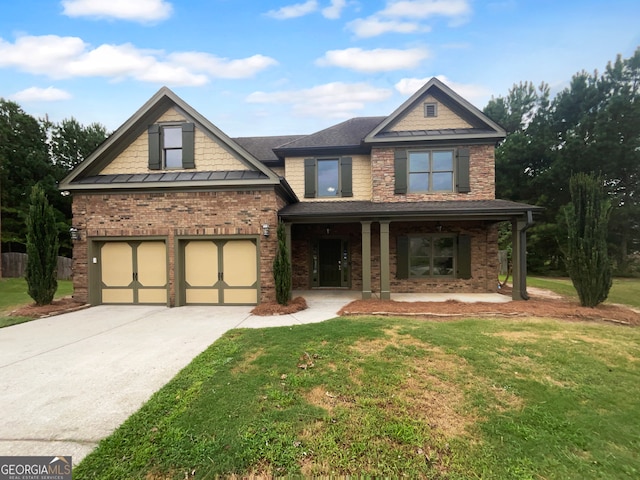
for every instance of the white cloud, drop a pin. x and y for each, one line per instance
(293, 11)
(470, 92)
(134, 10)
(427, 8)
(68, 57)
(404, 16)
(330, 100)
(334, 10)
(372, 27)
(377, 60)
(223, 67)
(37, 94)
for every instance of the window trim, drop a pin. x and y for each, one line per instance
(430, 172)
(431, 237)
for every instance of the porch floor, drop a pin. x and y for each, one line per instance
(320, 295)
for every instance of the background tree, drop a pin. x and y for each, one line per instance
(42, 248)
(593, 125)
(586, 257)
(282, 268)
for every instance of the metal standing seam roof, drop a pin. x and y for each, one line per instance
(155, 178)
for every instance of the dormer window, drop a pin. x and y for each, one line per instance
(430, 110)
(171, 146)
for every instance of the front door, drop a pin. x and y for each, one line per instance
(332, 263)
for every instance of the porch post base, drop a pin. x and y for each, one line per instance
(385, 295)
(366, 295)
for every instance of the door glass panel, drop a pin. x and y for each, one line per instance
(330, 253)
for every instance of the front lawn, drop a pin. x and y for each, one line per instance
(13, 293)
(623, 291)
(517, 399)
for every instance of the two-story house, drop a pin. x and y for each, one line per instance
(170, 210)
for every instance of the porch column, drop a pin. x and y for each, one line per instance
(519, 228)
(366, 260)
(385, 289)
(287, 242)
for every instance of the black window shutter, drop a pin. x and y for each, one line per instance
(346, 176)
(188, 145)
(464, 257)
(400, 171)
(402, 257)
(309, 178)
(155, 158)
(462, 171)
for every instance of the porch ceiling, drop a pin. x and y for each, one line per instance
(354, 211)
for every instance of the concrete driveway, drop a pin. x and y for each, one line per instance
(68, 381)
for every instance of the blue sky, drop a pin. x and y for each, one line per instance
(291, 67)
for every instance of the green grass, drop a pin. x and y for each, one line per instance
(13, 293)
(490, 399)
(623, 290)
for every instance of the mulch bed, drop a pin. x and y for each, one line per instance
(64, 305)
(273, 308)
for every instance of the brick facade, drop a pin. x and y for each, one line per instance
(484, 255)
(481, 174)
(170, 215)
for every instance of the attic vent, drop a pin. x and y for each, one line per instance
(430, 110)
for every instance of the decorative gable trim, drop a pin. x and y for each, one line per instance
(488, 130)
(139, 123)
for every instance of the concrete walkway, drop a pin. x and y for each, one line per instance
(68, 381)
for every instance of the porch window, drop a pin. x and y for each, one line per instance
(431, 171)
(327, 177)
(433, 256)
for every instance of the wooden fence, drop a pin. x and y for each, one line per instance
(15, 264)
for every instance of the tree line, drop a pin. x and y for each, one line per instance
(592, 126)
(37, 151)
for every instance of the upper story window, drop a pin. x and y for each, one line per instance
(431, 171)
(430, 110)
(425, 171)
(327, 177)
(171, 146)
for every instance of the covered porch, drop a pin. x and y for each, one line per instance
(390, 250)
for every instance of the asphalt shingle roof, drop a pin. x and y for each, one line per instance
(262, 147)
(349, 133)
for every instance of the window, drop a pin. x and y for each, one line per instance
(431, 256)
(431, 171)
(327, 177)
(171, 146)
(430, 110)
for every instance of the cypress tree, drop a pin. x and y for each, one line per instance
(42, 248)
(282, 268)
(586, 256)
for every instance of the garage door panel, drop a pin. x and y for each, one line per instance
(241, 295)
(201, 263)
(152, 264)
(203, 296)
(117, 295)
(117, 264)
(240, 263)
(152, 295)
